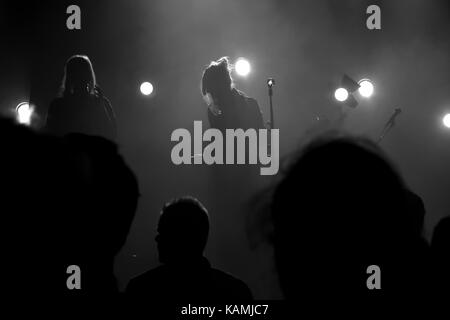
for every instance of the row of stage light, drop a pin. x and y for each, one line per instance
(343, 94)
(241, 67)
(365, 88)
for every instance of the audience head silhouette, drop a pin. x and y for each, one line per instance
(185, 274)
(182, 230)
(72, 200)
(216, 80)
(79, 76)
(339, 209)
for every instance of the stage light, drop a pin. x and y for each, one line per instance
(446, 120)
(242, 67)
(146, 88)
(366, 88)
(24, 113)
(341, 94)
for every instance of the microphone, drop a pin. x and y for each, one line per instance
(391, 120)
(98, 91)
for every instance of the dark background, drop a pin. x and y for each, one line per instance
(305, 45)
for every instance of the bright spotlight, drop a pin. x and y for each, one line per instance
(446, 120)
(242, 67)
(146, 88)
(366, 88)
(24, 113)
(341, 94)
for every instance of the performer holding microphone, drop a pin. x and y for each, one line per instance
(81, 106)
(228, 108)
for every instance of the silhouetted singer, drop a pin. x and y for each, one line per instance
(81, 108)
(228, 108)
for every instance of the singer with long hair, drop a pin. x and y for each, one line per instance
(228, 108)
(81, 106)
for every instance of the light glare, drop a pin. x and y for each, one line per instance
(24, 113)
(446, 120)
(146, 88)
(341, 94)
(366, 88)
(242, 67)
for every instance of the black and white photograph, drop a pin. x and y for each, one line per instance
(225, 159)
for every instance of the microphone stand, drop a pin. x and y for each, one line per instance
(388, 126)
(270, 83)
(385, 131)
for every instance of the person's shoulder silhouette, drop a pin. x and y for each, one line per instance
(441, 235)
(185, 273)
(440, 245)
(252, 114)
